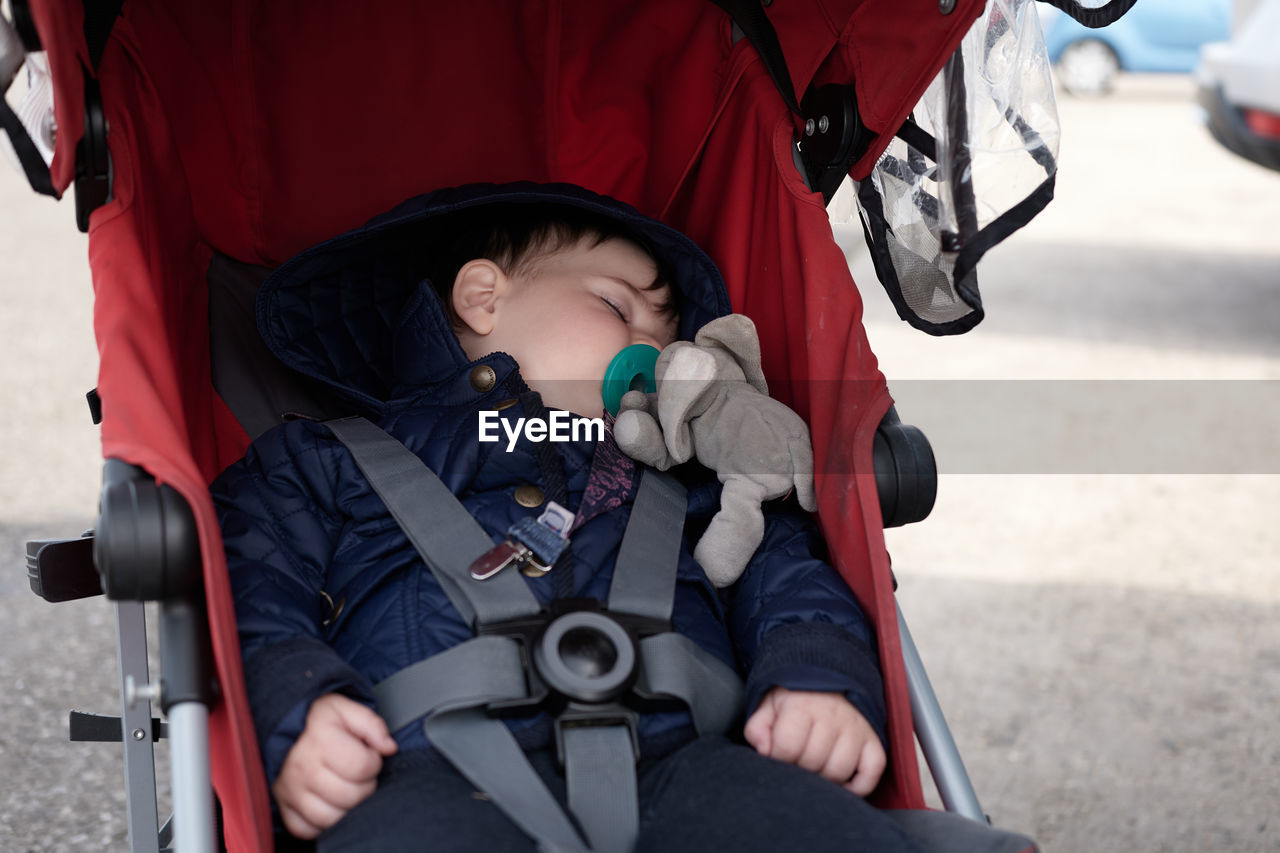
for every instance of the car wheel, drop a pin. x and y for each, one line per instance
(1088, 68)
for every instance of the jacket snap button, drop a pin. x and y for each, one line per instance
(529, 496)
(505, 404)
(483, 378)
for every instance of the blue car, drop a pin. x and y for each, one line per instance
(1160, 36)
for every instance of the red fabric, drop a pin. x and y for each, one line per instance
(748, 206)
(260, 128)
(158, 407)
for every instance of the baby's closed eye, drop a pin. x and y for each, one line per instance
(615, 307)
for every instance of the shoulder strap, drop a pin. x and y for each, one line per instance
(449, 539)
(437, 524)
(644, 577)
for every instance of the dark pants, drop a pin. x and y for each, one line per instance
(710, 795)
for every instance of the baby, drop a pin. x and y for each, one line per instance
(527, 305)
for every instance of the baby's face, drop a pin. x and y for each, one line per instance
(565, 320)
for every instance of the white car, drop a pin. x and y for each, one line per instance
(1238, 84)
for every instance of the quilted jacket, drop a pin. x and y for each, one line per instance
(331, 596)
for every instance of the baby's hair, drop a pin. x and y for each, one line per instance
(516, 237)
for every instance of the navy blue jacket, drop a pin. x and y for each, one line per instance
(331, 596)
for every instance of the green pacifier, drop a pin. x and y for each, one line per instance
(631, 370)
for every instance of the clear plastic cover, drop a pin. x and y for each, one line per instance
(976, 162)
(34, 109)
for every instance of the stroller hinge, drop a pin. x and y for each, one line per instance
(834, 137)
(906, 471)
(147, 549)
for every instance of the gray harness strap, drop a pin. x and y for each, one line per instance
(444, 533)
(600, 777)
(452, 689)
(484, 750)
(644, 577)
(673, 665)
(599, 760)
(477, 672)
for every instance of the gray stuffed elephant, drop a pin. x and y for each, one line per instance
(712, 403)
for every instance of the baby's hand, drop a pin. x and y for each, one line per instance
(820, 732)
(332, 766)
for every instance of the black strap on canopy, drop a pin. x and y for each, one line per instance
(33, 165)
(99, 19)
(14, 45)
(834, 136)
(750, 17)
(1093, 18)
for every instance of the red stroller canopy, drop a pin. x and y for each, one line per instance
(256, 129)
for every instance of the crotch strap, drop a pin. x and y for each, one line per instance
(455, 691)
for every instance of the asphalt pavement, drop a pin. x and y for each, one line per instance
(1096, 594)
(1102, 631)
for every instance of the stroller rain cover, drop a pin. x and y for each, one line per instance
(257, 129)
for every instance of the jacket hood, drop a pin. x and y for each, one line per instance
(349, 311)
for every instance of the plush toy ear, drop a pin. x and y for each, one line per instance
(736, 334)
(686, 373)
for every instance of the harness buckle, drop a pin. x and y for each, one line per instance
(576, 652)
(586, 656)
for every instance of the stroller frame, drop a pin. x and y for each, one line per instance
(147, 546)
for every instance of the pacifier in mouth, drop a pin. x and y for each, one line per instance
(632, 369)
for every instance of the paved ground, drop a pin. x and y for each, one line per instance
(1099, 615)
(1104, 639)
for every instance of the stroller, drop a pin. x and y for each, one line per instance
(208, 143)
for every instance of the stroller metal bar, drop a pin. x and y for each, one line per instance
(939, 748)
(135, 722)
(193, 826)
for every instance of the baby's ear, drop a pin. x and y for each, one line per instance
(477, 290)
